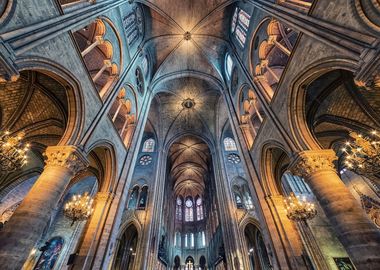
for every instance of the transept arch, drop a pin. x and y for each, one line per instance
(274, 162)
(296, 112)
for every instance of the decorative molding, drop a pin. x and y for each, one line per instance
(307, 163)
(69, 157)
(8, 69)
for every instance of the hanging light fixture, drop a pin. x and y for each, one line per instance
(299, 209)
(13, 152)
(79, 208)
(362, 153)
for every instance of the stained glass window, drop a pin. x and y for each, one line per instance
(234, 20)
(179, 209)
(229, 144)
(228, 66)
(192, 240)
(199, 209)
(177, 239)
(133, 25)
(189, 215)
(49, 257)
(133, 198)
(143, 197)
(144, 65)
(203, 239)
(148, 145)
(239, 25)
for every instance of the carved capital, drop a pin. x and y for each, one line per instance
(69, 157)
(307, 163)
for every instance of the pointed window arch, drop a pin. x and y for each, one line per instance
(133, 198)
(149, 145)
(229, 65)
(143, 197)
(178, 210)
(189, 213)
(229, 144)
(240, 25)
(199, 208)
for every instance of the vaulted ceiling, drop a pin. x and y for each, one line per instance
(187, 42)
(187, 36)
(189, 158)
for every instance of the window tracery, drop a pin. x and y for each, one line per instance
(145, 160)
(199, 209)
(133, 25)
(189, 214)
(233, 158)
(143, 197)
(149, 145)
(133, 198)
(179, 209)
(239, 25)
(229, 144)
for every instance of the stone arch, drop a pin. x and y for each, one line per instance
(104, 161)
(6, 8)
(129, 241)
(368, 12)
(76, 106)
(300, 131)
(101, 51)
(240, 187)
(270, 52)
(273, 163)
(123, 113)
(256, 259)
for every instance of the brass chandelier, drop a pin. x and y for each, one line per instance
(362, 153)
(13, 153)
(299, 209)
(79, 208)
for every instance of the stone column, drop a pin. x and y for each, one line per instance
(32, 217)
(356, 232)
(107, 64)
(98, 40)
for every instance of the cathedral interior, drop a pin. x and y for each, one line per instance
(190, 135)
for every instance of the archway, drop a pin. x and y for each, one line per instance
(202, 263)
(177, 263)
(256, 249)
(189, 263)
(127, 249)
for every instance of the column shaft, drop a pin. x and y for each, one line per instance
(32, 217)
(356, 232)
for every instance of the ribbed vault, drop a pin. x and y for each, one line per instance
(189, 159)
(187, 35)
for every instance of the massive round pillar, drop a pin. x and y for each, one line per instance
(355, 231)
(32, 217)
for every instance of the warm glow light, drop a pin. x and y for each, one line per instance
(13, 154)
(362, 154)
(79, 208)
(299, 209)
